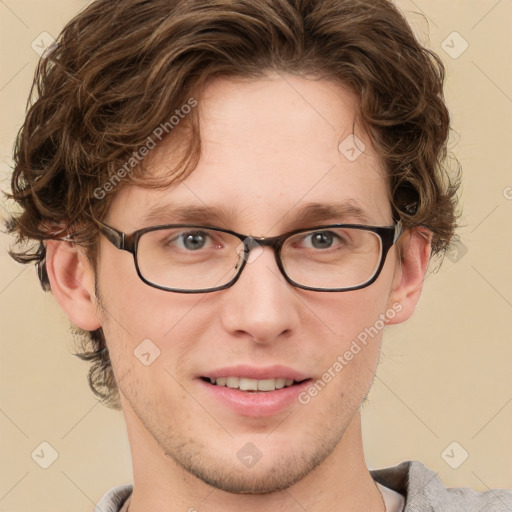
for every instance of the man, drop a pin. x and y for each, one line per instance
(228, 196)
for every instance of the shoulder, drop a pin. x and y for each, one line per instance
(113, 500)
(424, 491)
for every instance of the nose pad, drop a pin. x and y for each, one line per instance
(248, 250)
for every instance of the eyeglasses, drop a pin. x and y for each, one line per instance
(186, 258)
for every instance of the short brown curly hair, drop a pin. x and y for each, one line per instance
(121, 68)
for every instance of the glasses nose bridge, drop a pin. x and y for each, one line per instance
(267, 241)
(253, 242)
(274, 242)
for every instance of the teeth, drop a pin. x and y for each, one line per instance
(248, 385)
(232, 382)
(280, 383)
(245, 384)
(267, 385)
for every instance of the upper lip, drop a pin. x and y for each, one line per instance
(258, 373)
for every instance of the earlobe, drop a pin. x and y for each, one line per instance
(72, 283)
(409, 277)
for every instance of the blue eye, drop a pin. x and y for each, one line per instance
(193, 241)
(189, 240)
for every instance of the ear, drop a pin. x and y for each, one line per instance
(72, 283)
(410, 272)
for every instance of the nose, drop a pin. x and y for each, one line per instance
(261, 305)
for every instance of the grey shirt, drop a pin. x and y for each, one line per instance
(422, 489)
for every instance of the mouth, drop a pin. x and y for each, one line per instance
(252, 385)
(252, 391)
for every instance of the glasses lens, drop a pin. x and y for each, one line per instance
(188, 258)
(332, 258)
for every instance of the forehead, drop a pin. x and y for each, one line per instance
(269, 147)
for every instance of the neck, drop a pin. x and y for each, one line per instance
(341, 483)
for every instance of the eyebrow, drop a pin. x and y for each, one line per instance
(309, 213)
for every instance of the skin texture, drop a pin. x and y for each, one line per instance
(269, 147)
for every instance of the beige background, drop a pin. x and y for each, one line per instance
(444, 376)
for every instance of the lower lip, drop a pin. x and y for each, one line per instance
(256, 404)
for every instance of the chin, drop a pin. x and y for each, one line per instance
(243, 468)
(238, 479)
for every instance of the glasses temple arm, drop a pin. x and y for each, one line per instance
(398, 231)
(115, 237)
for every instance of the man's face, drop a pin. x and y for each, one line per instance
(268, 148)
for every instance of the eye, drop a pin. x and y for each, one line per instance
(190, 240)
(322, 240)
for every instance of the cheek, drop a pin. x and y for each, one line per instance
(131, 306)
(347, 316)
(346, 364)
(143, 324)
(353, 325)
